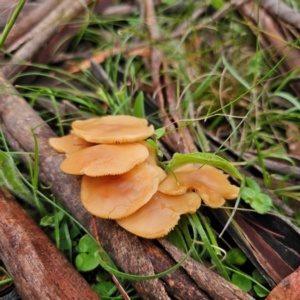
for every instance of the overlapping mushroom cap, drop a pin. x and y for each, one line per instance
(118, 196)
(113, 129)
(160, 215)
(69, 144)
(211, 184)
(104, 159)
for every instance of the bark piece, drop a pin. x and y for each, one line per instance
(33, 16)
(178, 283)
(41, 34)
(37, 267)
(288, 288)
(124, 248)
(216, 286)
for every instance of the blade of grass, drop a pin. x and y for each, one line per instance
(197, 223)
(11, 22)
(210, 234)
(35, 174)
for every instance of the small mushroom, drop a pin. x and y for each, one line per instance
(159, 216)
(113, 129)
(69, 144)
(117, 196)
(211, 184)
(103, 160)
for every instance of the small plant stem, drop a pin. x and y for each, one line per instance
(261, 162)
(94, 223)
(56, 227)
(113, 277)
(35, 174)
(11, 22)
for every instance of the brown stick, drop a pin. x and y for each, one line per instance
(216, 286)
(124, 248)
(28, 21)
(178, 283)
(283, 11)
(40, 35)
(37, 267)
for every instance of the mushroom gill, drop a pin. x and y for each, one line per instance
(104, 159)
(160, 215)
(113, 129)
(117, 196)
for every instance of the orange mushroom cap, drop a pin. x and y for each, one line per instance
(161, 173)
(117, 196)
(103, 160)
(151, 159)
(69, 143)
(211, 184)
(113, 129)
(159, 216)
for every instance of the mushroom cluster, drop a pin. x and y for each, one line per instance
(122, 180)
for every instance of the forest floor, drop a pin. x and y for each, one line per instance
(220, 83)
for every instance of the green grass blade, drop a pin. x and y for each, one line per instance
(204, 158)
(197, 223)
(11, 22)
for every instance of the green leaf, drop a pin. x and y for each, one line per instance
(197, 223)
(159, 132)
(242, 282)
(175, 237)
(104, 289)
(9, 178)
(260, 292)
(47, 220)
(248, 194)
(65, 239)
(87, 244)
(217, 4)
(86, 260)
(253, 185)
(138, 109)
(155, 146)
(262, 203)
(258, 277)
(204, 158)
(236, 256)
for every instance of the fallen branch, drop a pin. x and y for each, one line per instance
(37, 267)
(216, 286)
(41, 34)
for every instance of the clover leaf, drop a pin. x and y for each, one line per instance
(252, 195)
(85, 260)
(236, 256)
(242, 282)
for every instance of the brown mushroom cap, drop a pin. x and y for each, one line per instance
(211, 184)
(69, 143)
(103, 160)
(117, 196)
(113, 129)
(159, 216)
